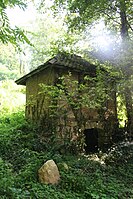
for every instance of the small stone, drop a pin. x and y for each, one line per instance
(65, 166)
(49, 173)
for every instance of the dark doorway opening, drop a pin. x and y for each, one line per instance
(91, 140)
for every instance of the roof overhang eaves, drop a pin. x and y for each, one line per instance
(87, 69)
(22, 80)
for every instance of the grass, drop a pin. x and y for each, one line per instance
(97, 176)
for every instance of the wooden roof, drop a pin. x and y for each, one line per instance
(62, 60)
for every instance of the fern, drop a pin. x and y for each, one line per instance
(4, 18)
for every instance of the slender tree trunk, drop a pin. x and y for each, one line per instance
(127, 72)
(124, 22)
(129, 108)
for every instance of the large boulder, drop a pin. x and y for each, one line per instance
(49, 173)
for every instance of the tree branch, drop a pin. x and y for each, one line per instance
(130, 26)
(112, 18)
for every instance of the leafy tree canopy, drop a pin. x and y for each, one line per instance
(49, 36)
(117, 18)
(82, 13)
(7, 33)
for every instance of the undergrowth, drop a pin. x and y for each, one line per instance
(22, 153)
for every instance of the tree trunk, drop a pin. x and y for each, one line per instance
(127, 72)
(129, 109)
(124, 22)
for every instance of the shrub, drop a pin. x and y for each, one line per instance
(6, 179)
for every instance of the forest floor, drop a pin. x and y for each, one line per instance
(96, 176)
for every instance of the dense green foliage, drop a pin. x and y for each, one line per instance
(95, 176)
(23, 150)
